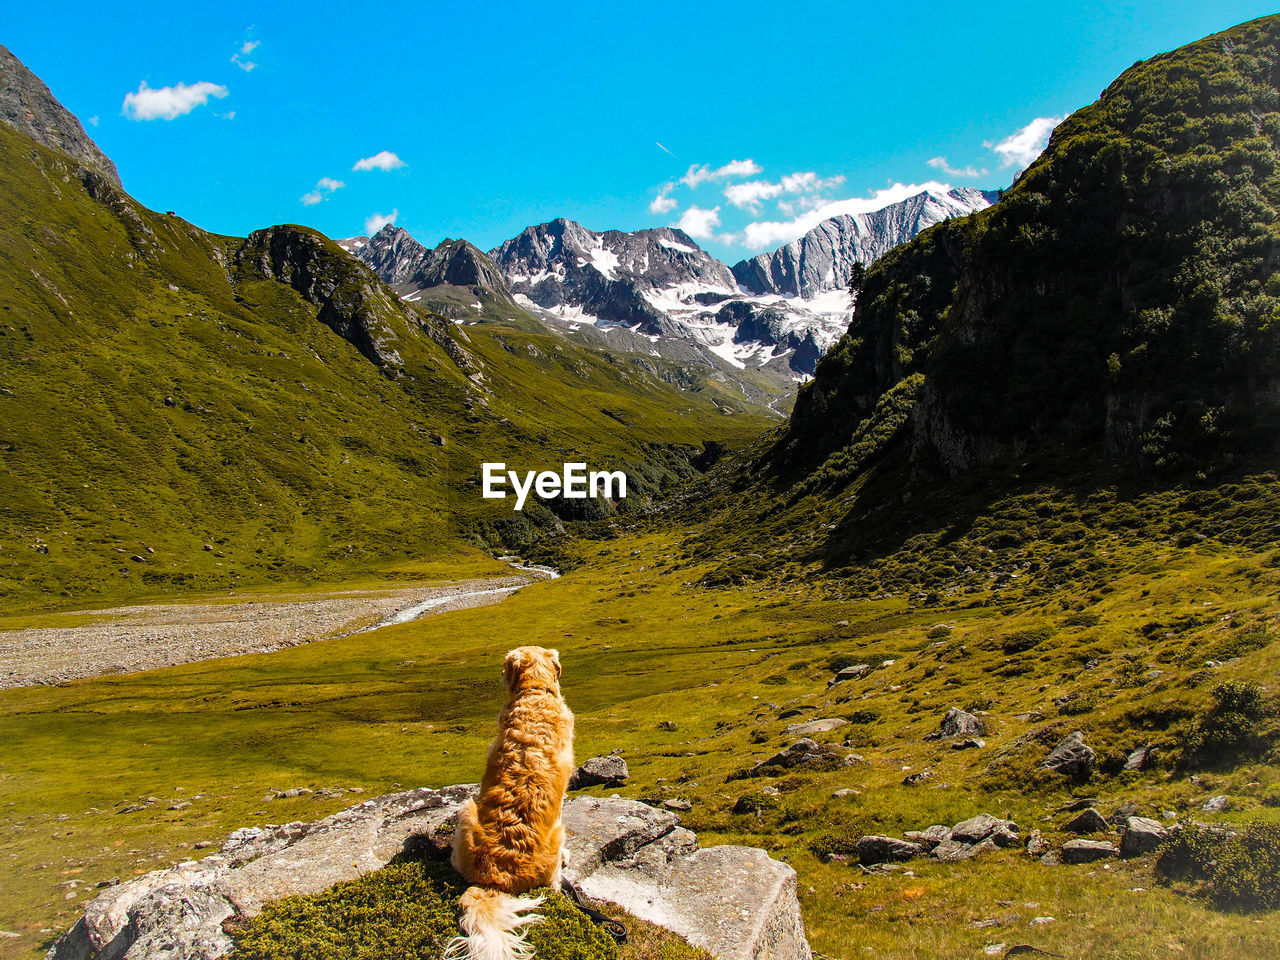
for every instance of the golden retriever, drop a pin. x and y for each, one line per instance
(510, 839)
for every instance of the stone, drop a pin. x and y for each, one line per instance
(844, 792)
(877, 849)
(977, 829)
(958, 723)
(911, 779)
(1087, 821)
(1037, 845)
(668, 725)
(804, 753)
(1141, 835)
(736, 902)
(953, 851)
(969, 743)
(1138, 759)
(608, 771)
(1041, 921)
(675, 803)
(849, 673)
(815, 726)
(1126, 810)
(929, 837)
(1217, 804)
(1072, 757)
(1087, 851)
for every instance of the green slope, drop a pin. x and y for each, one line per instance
(229, 410)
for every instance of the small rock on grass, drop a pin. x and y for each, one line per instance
(1087, 851)
(1087, 821)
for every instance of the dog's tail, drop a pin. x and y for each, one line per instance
(494, 926)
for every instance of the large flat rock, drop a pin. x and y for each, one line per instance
(734, 901)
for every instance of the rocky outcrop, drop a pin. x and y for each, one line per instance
(28, 106)
(1072, 757)
(820, 261)
(958, 723)
(401, 261)
(735, 902)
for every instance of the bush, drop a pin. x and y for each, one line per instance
(1232, 726)
(407, 909)
(1023, 640)
(757, 802)
(776, 679)
(1239, 871)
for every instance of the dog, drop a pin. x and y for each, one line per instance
(510, 839)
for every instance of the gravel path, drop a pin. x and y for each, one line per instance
(144, 637)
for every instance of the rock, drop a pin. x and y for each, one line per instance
(1126, 810)
(1040, 921)
(958, 723)
(677, 804)
(911, 779)
(804, 753)
(1037, 845)
(1216, 804)
(734, 901)
(1138, 759)
(1141, 835)
(1087, 821)
(1087, 851)
(815, 726)
(953, 851)
(609, 771)
(876, 849)
(849, 673)
(929, 837)
(969, 743)
(977, 829)
(844, 792)
(1072, 757)
(668, 725)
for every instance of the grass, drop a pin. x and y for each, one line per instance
(643, 643)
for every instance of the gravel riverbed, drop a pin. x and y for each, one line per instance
(144, 637)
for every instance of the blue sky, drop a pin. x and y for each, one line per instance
(742, 121)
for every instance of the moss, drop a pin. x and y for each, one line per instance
(403, 910)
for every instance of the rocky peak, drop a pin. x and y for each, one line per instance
(400, 260)
(819, 261)
(28, 106)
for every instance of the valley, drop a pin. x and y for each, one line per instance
(1000, 540)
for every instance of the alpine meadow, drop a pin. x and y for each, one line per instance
(916, 583)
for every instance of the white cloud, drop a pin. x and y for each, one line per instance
(93, 121)
(1020, 148)
(382, 160)
(324, 187)
(940, 163)
(664, 202)
(699, 223)
(772, 233)
(167, 103)
(748, 195)
(379, 220)
(696, 175)
(241, 57)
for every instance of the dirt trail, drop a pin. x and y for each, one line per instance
(144, 637)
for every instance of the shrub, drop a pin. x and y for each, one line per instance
(776, 679)
(1076, 704)
(1235, 870)
(1231, 727)
(1022, 640)
(757, 802)
(839, 661)
(1082, 618)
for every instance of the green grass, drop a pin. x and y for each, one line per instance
(642, 643)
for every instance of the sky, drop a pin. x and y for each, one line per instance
(744, 123)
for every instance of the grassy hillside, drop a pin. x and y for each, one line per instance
(185, 411)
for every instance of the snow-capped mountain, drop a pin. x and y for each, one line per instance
(657, 292)
(819, 261)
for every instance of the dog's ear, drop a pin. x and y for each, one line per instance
(555, 661)
(511, 668)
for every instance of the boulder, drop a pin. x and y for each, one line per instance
(953, 851)
(734, 901)
(815, 726)
(1141, 835)
(1088, 820)
(607, 771)
(1072, 757)
(929, 837)
(976, 829)
(849, 673)
(1139, 758)
(1037, 845)
(958, 723)
(1216, 804)
(1087, 851)
(876, 849)
(969, 743)
(804, 753)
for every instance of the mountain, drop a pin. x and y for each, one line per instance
(819, 262)
(28, 106)
(185, 410)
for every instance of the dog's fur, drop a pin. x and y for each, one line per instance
(510, 839)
